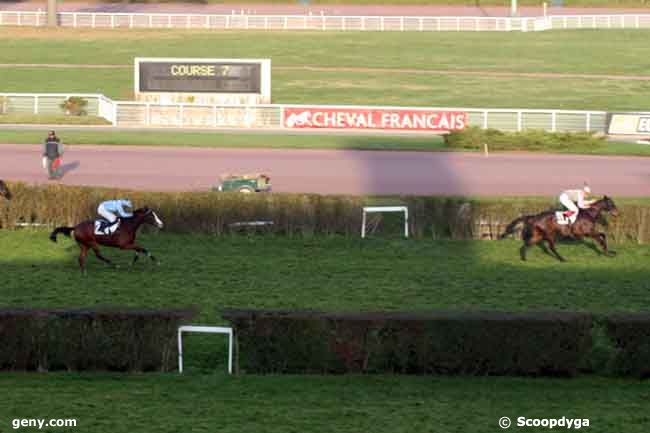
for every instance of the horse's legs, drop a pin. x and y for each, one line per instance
(100, 257)
(601, 238)
(83, 252)
(138, 249)
(551, 243)
(530, 239)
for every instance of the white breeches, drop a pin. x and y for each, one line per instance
(568, 203)
(110, 216)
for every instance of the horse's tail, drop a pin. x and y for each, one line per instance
(65, 230)
(510, 228)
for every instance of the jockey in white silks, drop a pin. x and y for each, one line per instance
(571, 197)
(111, 209)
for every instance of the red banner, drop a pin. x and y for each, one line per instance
(396, 119)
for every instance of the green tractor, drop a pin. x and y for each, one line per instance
(246, 183)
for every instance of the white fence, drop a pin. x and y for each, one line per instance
(324, 22)
(134, 114)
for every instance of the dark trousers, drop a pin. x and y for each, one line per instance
(51, 171)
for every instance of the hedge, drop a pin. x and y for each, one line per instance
(299, 214)
(92, 339)
(540, 344)
(630, 335)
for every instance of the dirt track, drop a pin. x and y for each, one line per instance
(292, 8)
(335, 172)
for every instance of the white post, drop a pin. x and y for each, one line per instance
(180, 351)
(286, 22)
(20, 20)
(38, 18)
(636, 21)
(406, 223)
(207, 21)
(438, 25)
(343, 23)
(519, 121)
(588, 125)
(363, 225)
(457, 24)
(35, 104)
(485, 119)
(421, 26)
(322, 17)
(112, 21)
(131, 21)
(74, 19)
(150, 21)
(553, 121)
(227, 21)
(401, 23)
(92, 24)
(545, 7)
(230, 351)
(363, 23)
(381, 24)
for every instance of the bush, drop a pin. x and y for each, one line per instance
(630, 335)
(94, 339)
(74, 106)
(298, 214)
(475, 138)
(437, 343)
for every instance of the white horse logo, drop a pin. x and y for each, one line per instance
(302, 119)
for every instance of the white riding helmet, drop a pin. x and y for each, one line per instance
(127, 203)
(587, 189)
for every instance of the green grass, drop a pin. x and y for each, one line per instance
(404, 62)
(328, 274)
(51, 119)
(290, 141)
(331, 274)
(237, 140)
(208, 403)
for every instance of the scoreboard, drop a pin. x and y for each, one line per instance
(203, 80)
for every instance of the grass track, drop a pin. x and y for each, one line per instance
(321, 273)
(331, 274)
(208, 403)
(575, 52)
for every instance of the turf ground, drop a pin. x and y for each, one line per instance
(329, 274)
(569, 68)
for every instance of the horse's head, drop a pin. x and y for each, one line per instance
(606, 204)
(148, 216)
(4, 191)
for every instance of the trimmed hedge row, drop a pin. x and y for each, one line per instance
(295, 214)
(630, 335)
(95, 339)
(553, 344)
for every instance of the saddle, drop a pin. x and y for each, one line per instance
(565, 217)
(104, 228)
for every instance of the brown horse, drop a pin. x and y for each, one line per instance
(544, 227)
(123, 238)
(4, 191)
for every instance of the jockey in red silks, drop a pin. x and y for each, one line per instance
(570, 197)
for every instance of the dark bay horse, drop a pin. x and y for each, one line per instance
(544, 227)
(4, 190)
(123, 238)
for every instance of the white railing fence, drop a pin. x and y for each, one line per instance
(324, 22)
(134, 114)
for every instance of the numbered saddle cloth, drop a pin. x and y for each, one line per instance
(563, 220)
(103, 227)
